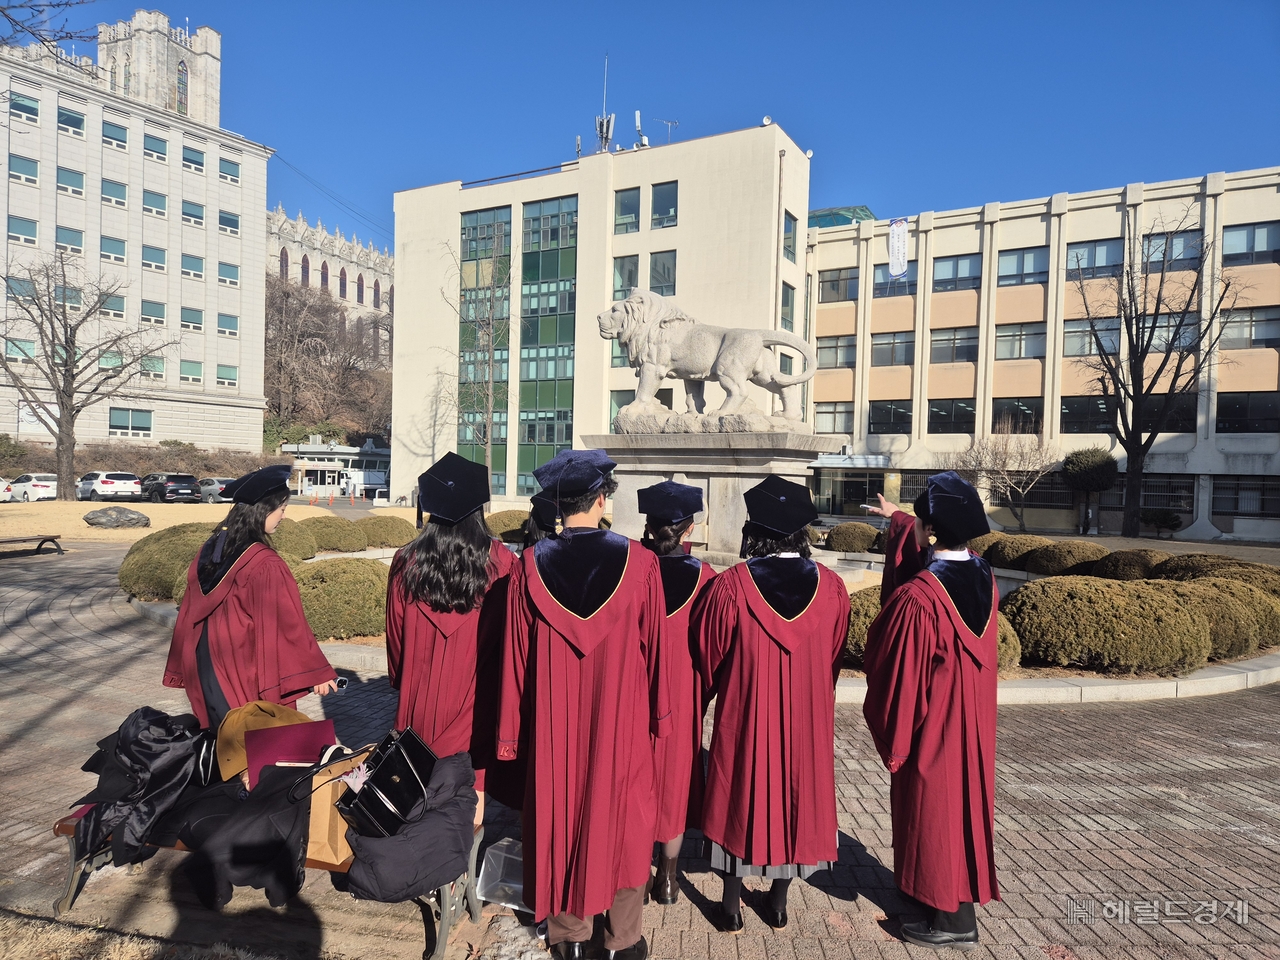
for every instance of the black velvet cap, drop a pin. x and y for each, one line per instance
(573, 473)
(256, 486)
(453, 488)
(670, 502)
(780, 506)
(954, 504)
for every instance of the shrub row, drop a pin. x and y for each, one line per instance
(853, 537)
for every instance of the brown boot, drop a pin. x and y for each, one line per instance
(666, 885)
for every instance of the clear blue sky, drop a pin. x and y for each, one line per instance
(907, 106)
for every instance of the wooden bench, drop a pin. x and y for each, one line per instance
(38, 541)
(440, 909)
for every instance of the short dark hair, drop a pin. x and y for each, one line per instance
(946, 538)
(581, 504)
(759, 542)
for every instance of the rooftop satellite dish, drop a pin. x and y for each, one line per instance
(766, 121)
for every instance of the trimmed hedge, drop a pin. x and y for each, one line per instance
(387, 531)
(292, 537)
(1107, 625)
(1264, 607)
(1009, 553)
(852, 537)
(153, 563)
(1009, 648)
(864, 606)
(1129, 564)
(344, 598)
(1072, 557)
(334, 534)
(980, 544)
(1232, 627)
(507, 525)
(1193, 566)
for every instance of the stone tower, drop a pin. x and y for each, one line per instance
(167, 67)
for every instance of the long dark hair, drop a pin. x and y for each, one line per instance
(758, 542)
(447, 565)
(246, 524)
(664, 538)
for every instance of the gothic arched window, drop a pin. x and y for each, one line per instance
(112, 75)
(324, 276)
(391, 298)
(183, 79)
(360, 289)
(306, 271)
(342, 283)
(284, 264)
(128, 77)
(377, 295)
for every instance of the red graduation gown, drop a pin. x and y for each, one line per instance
(931, 708)
(677, 759)
(771, 794)
(580, 699)
(445, 666)
(259, 640)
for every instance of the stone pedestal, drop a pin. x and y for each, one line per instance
(724, 465)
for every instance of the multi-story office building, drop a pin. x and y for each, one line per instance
(121, 165)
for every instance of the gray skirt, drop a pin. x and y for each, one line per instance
(724, 861)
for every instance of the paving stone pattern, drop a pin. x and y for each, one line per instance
(1103, 809)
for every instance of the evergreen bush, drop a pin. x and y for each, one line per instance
(1162, 519)
(153, 563)
(387, 531)
(1193, 566)
(1264, 607)
(335, 535)
(507, 525)
(344, 598)
(1009, 553)
(980, 544)
(864, 606)
(1072, 557)
(1231, 623)
(1009, 648)
(852, 537)
(292, 537)
(1129, 564)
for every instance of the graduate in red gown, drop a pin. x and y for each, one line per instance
(931, 707)
(669, 509)
(583, 690)
(771, 635)
(446, 611)
(241, 634)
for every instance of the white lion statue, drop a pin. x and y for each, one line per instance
(662, 341)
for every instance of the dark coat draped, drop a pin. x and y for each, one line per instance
(770, 794)
(445, 665)
(580, 699)
(259, 641)
(931, 708)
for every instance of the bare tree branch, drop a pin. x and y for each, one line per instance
(1008, 463)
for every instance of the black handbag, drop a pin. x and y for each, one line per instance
(399, 770)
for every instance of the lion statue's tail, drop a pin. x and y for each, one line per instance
(783, 339)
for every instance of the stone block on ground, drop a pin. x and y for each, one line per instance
(115, 518)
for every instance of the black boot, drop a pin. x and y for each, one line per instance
(569, 950)
(957, 929)
(637, 951)
(666, 885)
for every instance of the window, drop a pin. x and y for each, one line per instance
(1182, 418)
(124, 422)
(153, 148)
(151, 368)
(306, 271)
(229, 223)
(228, 326)
(1251, 328)
(360, 288)
(1171, 333)
(22, 107)
(662, 273)
(284, 264)
(229, 274)
(834, 352)
(952, 416)
(785, 363)
(193, 213)
(184, 84)
(626, 211)
(1017, 414)
(228, 376)
(890, 416)
(956, 345)
(617, 354)
(228, 170)
(110, 361)
(1014, 267)
(324, 276)
(835, 286)
(833, 417)
(1249, 413)
(1251, 243)
(1095, 258)
(23, 351)
(626, 276)
(190, 371)
(893, 349)
(549, 362)
(69, 297)
(1183, 250)
(156, 204)
(1080, 337)
(69, 240)
(342, 283)
(128, 76)
(112, 250)
(377, 295)
(884, 285)
(22, 230)
(193, 159)
(1088, 414)
(18, 288)
(789, 236)
(192, 319)
(788, 314)
(23, 170)
(70, 121)
(1020, 341)
(113, 306)
(1247, 496)
(116, 194)
(153, 313)
(192, 266)
(665, 203)
(114, 135)
(153, 258)
(957, 273)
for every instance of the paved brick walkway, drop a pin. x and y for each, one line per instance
(1103, 809)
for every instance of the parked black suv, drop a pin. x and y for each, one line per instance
(170, 488)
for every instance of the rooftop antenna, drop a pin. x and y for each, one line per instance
(670, 124)
(579, 146)
(604, 122)
(644, 141)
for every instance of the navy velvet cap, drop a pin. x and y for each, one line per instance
(955, 505)
(670, 502)
(453, 488)
(256, 486)
(573, 473)
(543, 511)
(780, 506)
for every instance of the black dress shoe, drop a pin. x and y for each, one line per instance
(637, 951)
(922, 934)
(774, 918)
(569, 950)
(727, 922)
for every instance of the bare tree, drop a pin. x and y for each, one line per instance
(1153, 325)
(1008, 463)
(67, 349)
(44, 22)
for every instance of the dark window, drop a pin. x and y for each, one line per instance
(1079, 340)
(1020, 341)
(957, 273)
(306, 271)
(833, 417)
(835, 286)
(1095, 258)
(342, 283)
(377, 296)
(1088, 414)
(284, 264)
(1248, 413)
(1017, 414)
(1247, 496)
(952, 416)
(840, 492)
(1030, 265)
(837, 352)
(1251, 243)
(1182, 253)
(893, 349)
(884, 285)
(789, 236)
(324, 276)
(1049, 492)
(1171, 333)
(788, 313)
(665, 204)
(662, 273)
(360, 288)
(1182, 417)
(785, 363)
(954, 345)
(626, 211)
(626, 276)
(890, 416)
(1242, 330)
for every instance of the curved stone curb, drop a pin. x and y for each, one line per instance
(163, 612)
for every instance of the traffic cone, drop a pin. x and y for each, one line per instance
(353, 499)
(331, 498)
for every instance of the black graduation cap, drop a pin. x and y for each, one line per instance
(543, 510)
(955, 505)
(573, 473)
(453, 488)
(255, 487)
(780, 506)
(670, 502)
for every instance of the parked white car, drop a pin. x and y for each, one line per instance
(6, 490)
(34, 486)
(101, 485)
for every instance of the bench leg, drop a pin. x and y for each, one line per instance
(78, 872)
(471, 896)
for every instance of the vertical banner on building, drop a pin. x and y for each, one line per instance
(898, 248)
